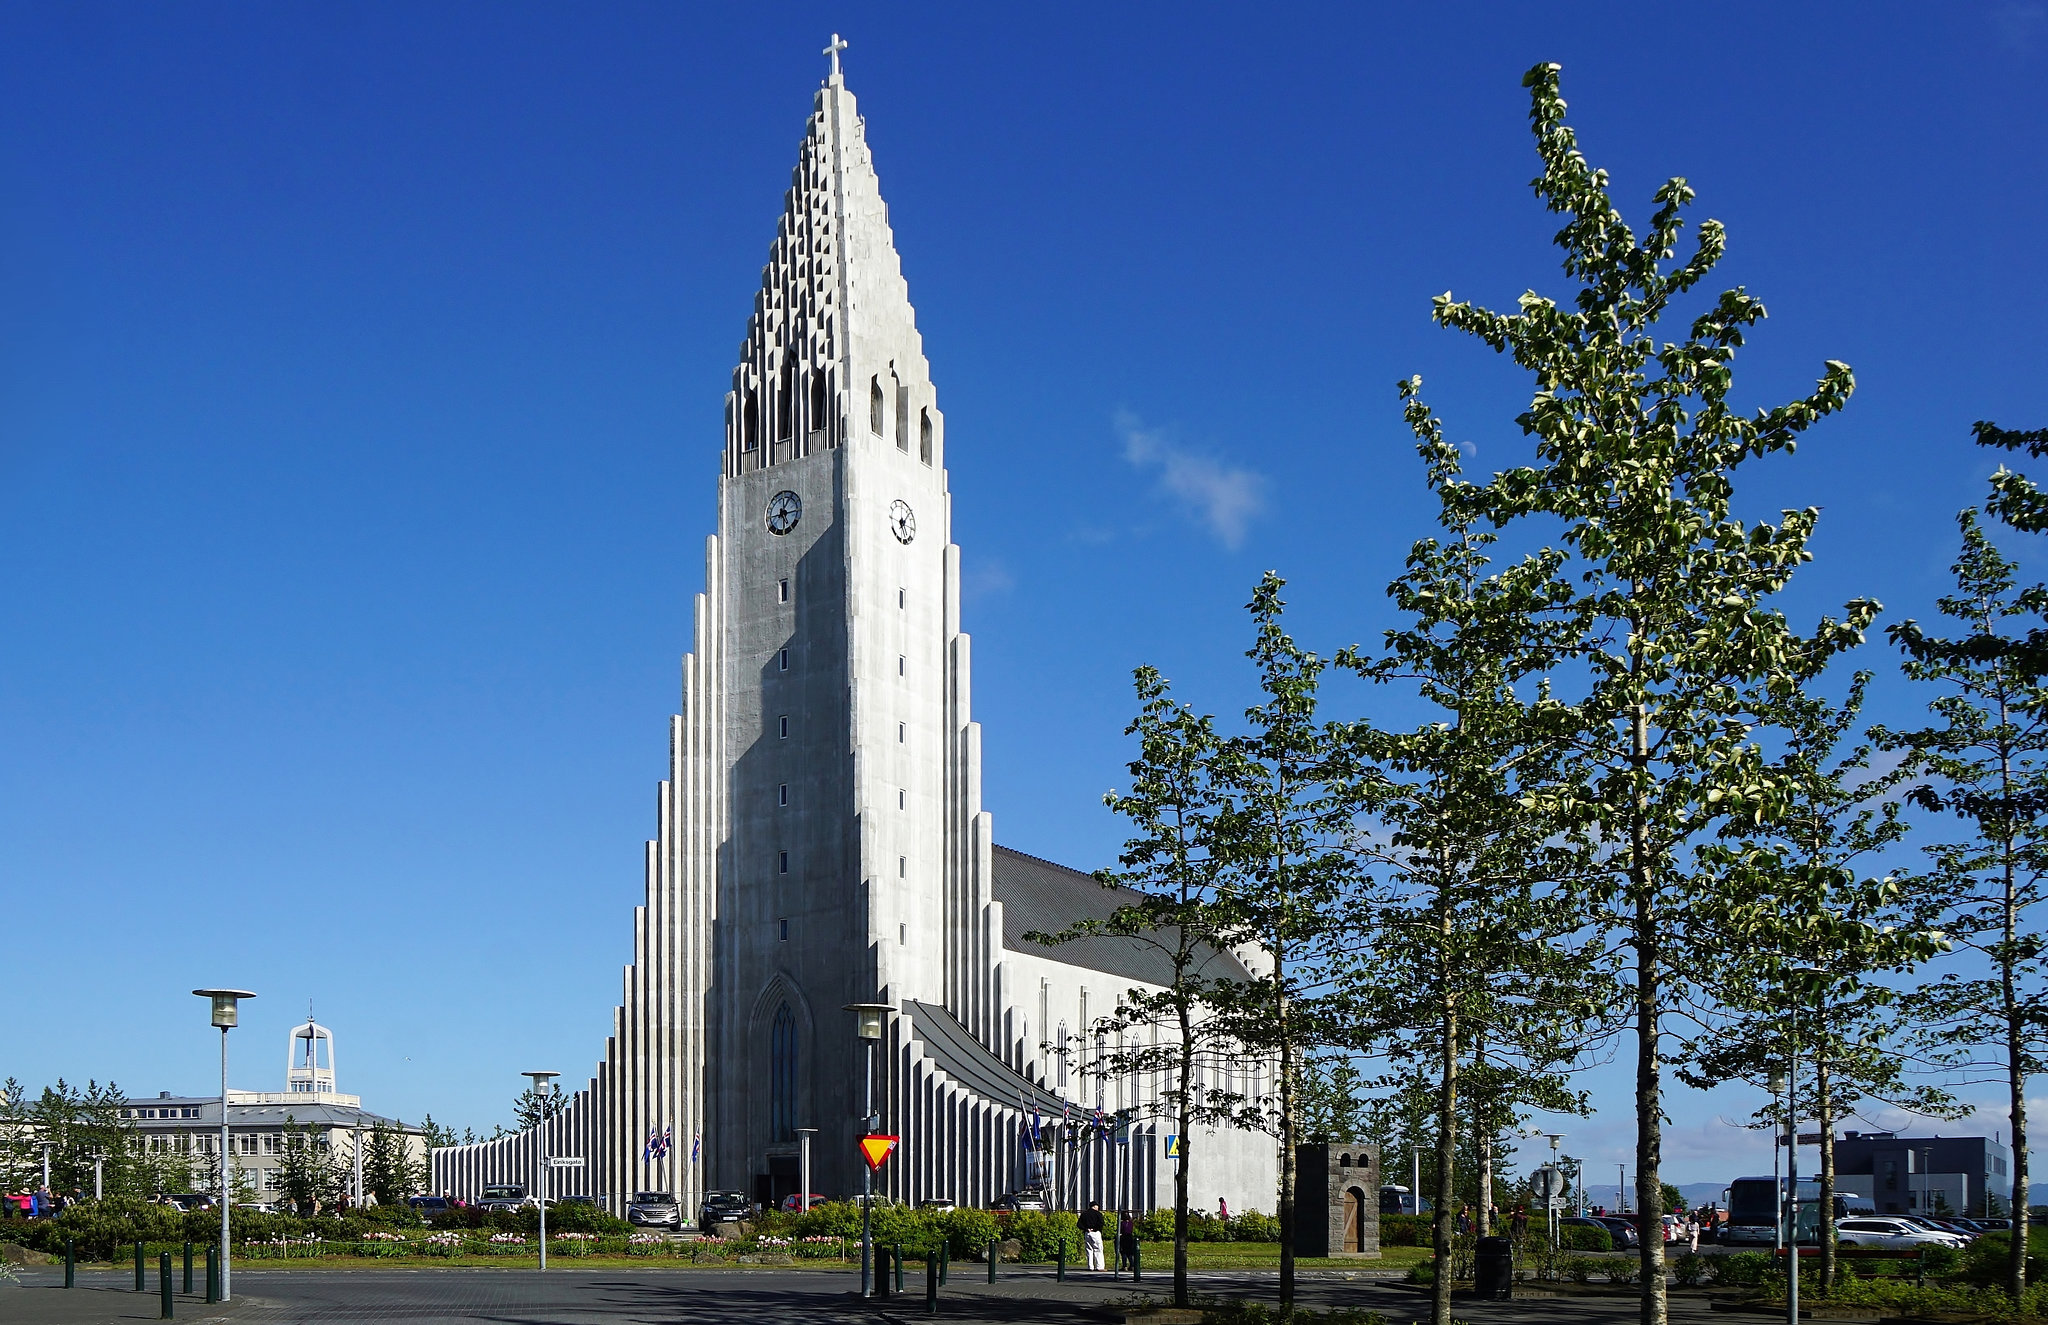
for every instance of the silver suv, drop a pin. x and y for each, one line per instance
(654, 1210)
(505, 1196)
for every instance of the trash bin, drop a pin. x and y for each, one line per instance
(1493, 1269)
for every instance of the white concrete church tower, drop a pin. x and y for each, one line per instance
(821, 837)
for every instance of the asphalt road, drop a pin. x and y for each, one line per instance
(691, 1297)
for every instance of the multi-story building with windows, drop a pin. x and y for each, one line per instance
(261, 1124)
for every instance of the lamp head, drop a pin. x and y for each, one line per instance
(867, 1019)
(542, 1081)
(224, 1001)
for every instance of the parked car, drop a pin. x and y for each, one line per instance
(937, 1203)
(719, 1206)
(795, 1201)
(1624, 1230)
(505, 1196)
(654, 1210)
(190, 1201)
(429, 1206)
(1025, 1200)
(1894, 1231)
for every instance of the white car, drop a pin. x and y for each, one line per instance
(1878, 1231)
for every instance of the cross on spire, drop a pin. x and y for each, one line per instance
(832, 52)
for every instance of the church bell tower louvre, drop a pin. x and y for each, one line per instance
(820, 837)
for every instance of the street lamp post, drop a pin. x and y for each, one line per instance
(803, 1168)
(867, 1019)
(542, 1089)
(225, 1007)
(47, 1146)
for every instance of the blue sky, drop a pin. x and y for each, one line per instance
(360, 389)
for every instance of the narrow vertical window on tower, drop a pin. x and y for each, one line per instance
(782, 927)
(784, 720)
(902, 732)
(876, 423)
(782, 660)
(903, 935)
(902, 599)
(902, 665)
(924, 435)
(782, 591)
(782, 1076)
(782, 794)
(902, 799)
(902, 404)
(782, 862)
(902, 867)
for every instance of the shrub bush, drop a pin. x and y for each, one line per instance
(1745, 1269)
(1404, 1230)
(1041, 1232)
(1690, 1269)
(1253, 1226)
(1578, 1237)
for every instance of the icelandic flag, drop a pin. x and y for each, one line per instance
(696, 1142)
(668, 1141)
(654, 1149)
(1037, 1142)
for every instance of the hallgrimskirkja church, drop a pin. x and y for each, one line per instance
(821, 839)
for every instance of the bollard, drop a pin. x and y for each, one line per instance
(163, 1285)
(898, 1253)
(1134, 1260)
(882, 1289)
(1060, 1260)
(70, 1264)
(931, 1284)
(992, 1254)
(188, 1268)
(945, 1261)
(212, 1275)
(140, 1287)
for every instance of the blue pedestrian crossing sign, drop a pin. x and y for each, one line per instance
(1172, 1145)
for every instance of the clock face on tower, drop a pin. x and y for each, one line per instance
(785, 508)
(903, 521)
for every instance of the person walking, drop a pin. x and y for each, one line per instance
(1126, 1241)
(1091, 1234)
(1692, 1233)
(1518, 1226)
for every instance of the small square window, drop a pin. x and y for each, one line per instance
(782, 794)
(782, 660)
(784, 923)
(902, 732)
(782, 862)
(785, 726)
(782, 591)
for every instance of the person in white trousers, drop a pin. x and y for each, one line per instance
(1091, 1234)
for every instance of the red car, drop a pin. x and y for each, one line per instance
(795, 1202)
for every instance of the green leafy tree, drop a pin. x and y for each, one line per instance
(1637, 448)
(1288, 879)
(530, 1109)
(309, 1175)
(438, 1137)
(1984, 762)
(389, 1172)
(1811, 947)
(1173, 806)
(1478, 919)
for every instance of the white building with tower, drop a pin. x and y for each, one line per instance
(262, 1124)
(820, 836)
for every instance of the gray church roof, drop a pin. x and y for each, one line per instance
(952, 1048)
(1039, 895)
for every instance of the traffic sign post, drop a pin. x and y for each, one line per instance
(876, 1150)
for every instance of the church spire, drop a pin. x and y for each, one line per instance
(832, 353)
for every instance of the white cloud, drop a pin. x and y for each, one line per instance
(984, 578)
(1221, 497)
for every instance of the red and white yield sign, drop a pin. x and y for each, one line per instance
(876, 1149)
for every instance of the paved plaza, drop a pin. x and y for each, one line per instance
(700, 1297)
